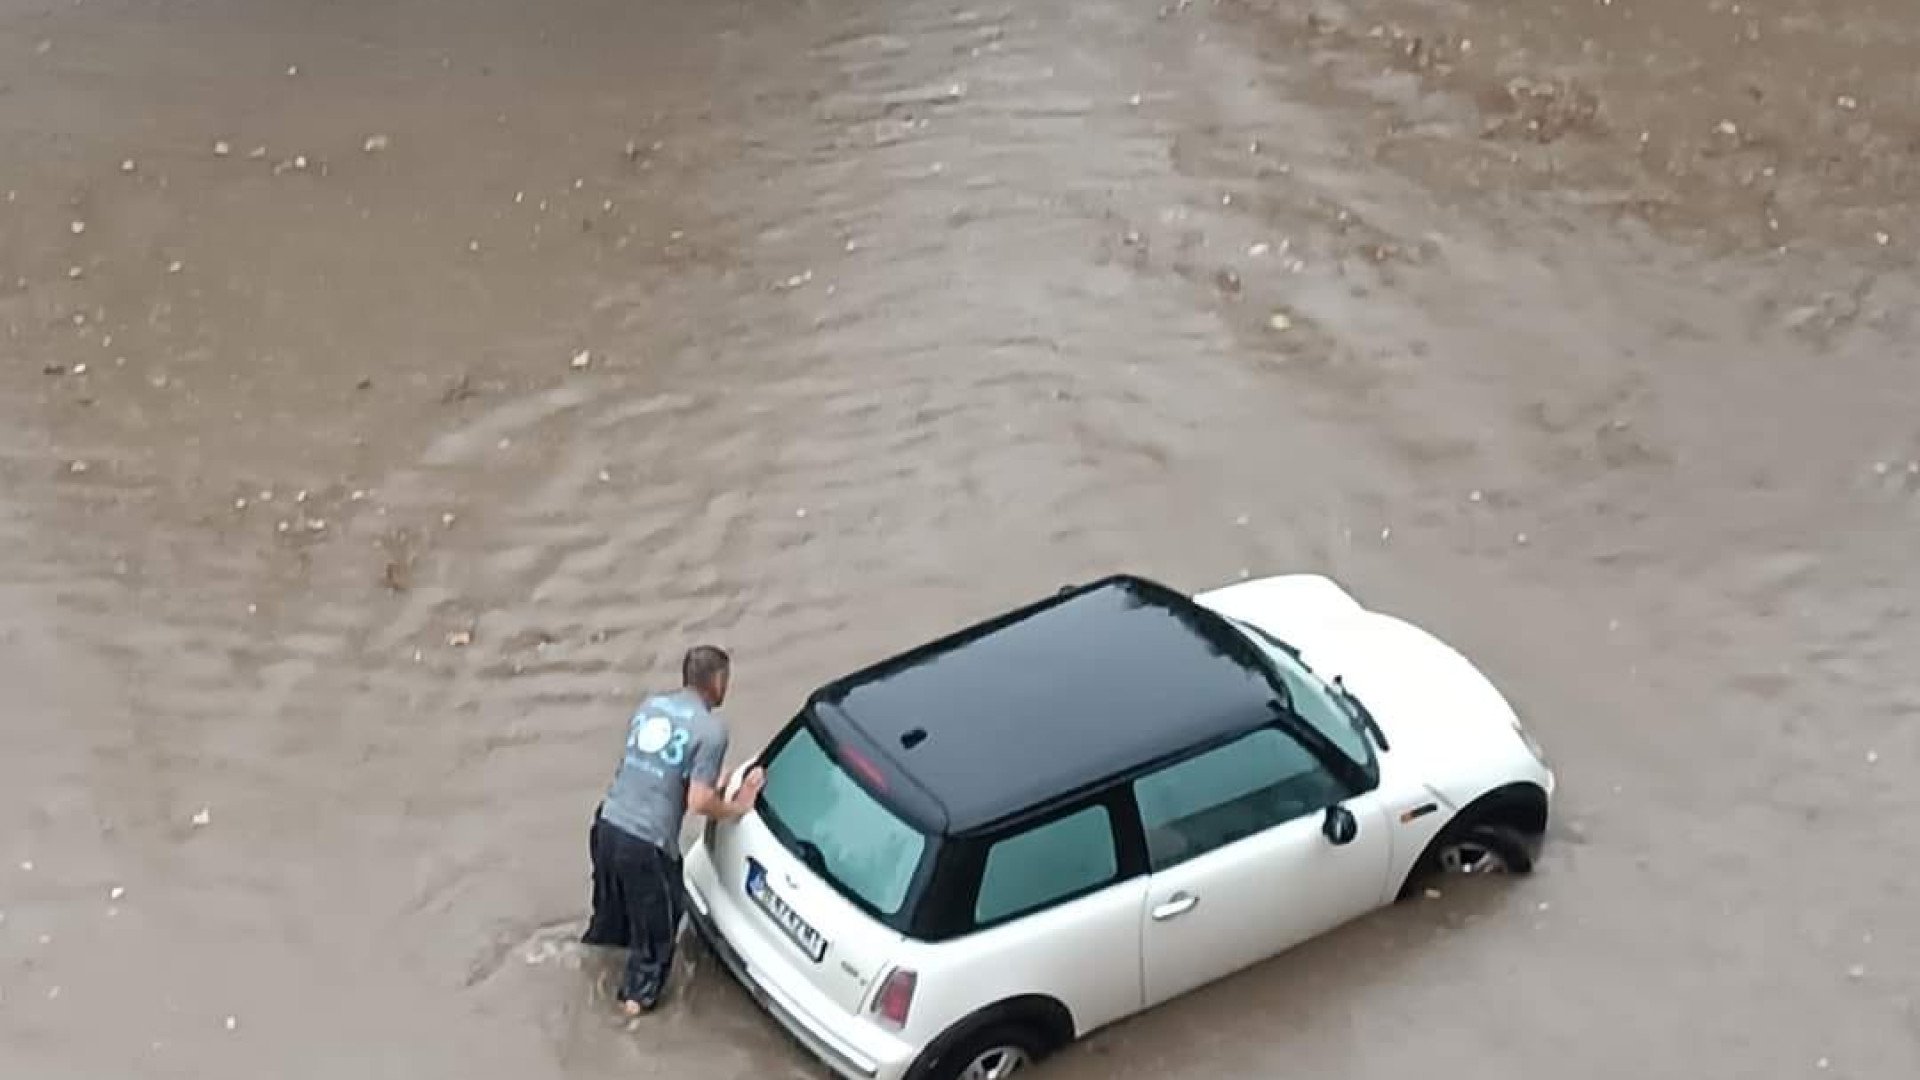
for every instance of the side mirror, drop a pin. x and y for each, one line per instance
(1340, 826)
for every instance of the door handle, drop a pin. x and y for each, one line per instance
(1177, 905)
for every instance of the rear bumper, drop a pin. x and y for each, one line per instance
(709, 919)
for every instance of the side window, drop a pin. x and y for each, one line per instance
(1260, 780)
(1063, 858)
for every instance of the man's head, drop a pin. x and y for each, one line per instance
(706, 671)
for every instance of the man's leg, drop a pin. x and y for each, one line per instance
(650, 910)
(676, 877)
(609, 927)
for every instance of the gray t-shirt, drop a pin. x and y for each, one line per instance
(672, 739)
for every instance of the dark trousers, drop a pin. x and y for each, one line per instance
(636, 906)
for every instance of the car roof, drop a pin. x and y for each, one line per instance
(1051, 700)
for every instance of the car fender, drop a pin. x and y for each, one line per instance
(1044, 1013)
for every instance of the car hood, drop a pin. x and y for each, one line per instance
(1443, 718)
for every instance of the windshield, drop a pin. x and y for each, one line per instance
(844, 834)
(1312, 699)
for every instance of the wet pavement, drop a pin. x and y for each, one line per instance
(391, 391)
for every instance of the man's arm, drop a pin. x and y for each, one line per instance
(703, 782)
(706, 800)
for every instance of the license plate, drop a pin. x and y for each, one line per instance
(761, 893)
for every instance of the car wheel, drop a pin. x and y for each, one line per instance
(1482, 850)
(1478, 850)
(994, 1053)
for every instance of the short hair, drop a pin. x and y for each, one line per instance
(703, 664)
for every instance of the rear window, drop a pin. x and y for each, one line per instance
(832, 824)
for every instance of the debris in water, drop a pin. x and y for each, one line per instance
(1242, 521)
(1857, 972)
(1475, 495)
(1882, 239)
(1847, 102)
(1433, 894)
(203, 817)
(127, 166)
(800, 513)
(232, 1022)
(77, 467)
(173, 267)
(1727, 127)
(78, 227)
(460, 639)
(581, 359)
(1520, 538)
(1873, 757)
(222, 148)
(1134, 100)
(27, 865)
(375, 144)
(1259, 249)
(1281, 321)
(116, 892)
(797, 280)
(1386, 533)
(79, 369)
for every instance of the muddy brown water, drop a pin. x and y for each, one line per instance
(1581, 333)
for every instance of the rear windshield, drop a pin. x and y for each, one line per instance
(827, 819)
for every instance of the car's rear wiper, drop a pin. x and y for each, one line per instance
(811, 856)
(1361, 712)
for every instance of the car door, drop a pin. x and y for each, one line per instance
(1241, 868)
(1057, 913)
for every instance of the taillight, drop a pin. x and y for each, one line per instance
(895, 1000)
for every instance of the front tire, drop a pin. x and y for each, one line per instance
(1472, 849)
(994, 1053)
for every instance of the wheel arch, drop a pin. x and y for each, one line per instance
(1522, 805)
(1045, 1015)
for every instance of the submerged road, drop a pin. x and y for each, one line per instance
(390, 391)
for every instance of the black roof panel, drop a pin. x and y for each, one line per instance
(1051, 699)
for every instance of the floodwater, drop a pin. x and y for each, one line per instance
(390, 391)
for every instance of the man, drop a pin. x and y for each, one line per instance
(675, 746)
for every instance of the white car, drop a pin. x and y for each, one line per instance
(974, 853)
